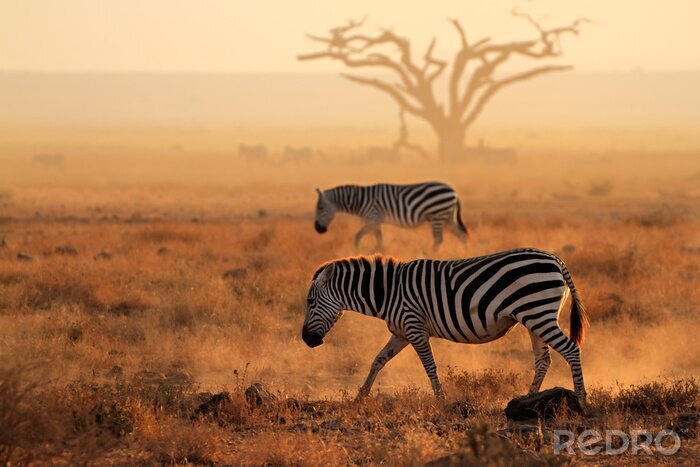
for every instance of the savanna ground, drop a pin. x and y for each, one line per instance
(104, 357)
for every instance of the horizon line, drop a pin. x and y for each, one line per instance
(635, 70)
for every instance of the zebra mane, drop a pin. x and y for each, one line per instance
(333, 194)
(375, 260)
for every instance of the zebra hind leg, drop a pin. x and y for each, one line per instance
(544, 325)
(457, 229)
(542, 362)
(436, 225)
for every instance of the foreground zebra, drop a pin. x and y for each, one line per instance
(472, 301)
(404, 205)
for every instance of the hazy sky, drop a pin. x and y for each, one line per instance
(265, 35)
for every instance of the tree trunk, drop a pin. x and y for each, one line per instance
(451, 143)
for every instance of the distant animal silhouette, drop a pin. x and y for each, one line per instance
(473, 301)
(404, 205)
(256, 153)
(382, 154)
(302, 155)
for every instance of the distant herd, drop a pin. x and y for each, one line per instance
(473, 301)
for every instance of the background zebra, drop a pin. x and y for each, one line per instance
(404, 205)
(473, 301)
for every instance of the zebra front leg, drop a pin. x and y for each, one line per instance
(425, 353)
(378, 237)
(362, 232)
(395, 345)
(542, 362)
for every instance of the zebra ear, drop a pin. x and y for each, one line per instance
(325, 275)
(320, 193)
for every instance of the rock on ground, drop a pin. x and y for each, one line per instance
(66, 250)
(568, 248)
(257, 395)
(103, 255)
(544, 405)
(211, 404)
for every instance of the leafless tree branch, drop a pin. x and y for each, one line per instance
(396, 92)
(495, 86)
(467, 95)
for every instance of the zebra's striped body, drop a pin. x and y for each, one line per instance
(472, 301)
(403, 205)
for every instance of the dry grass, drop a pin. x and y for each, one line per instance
(104, 359)
(155, 420)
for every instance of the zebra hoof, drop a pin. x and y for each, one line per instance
(361, 395)
(583, 402)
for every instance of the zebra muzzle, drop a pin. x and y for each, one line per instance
(312, 339)
(320, 228)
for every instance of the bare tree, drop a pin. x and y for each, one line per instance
(472, 80)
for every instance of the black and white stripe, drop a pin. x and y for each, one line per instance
(403, 205)
(472, 301)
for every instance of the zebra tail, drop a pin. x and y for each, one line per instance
(459, 220)
(579, 316)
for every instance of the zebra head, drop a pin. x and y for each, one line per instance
(325, 211)
(323, 308)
